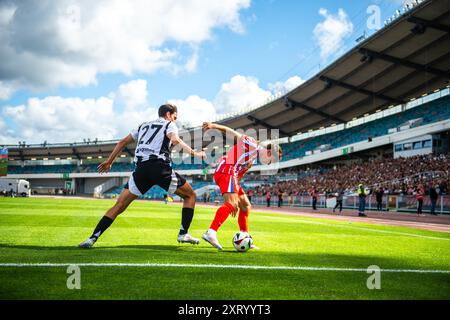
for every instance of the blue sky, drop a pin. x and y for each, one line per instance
(247, 51)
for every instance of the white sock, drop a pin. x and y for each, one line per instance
(212, 232)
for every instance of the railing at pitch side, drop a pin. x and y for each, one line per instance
(399, 203)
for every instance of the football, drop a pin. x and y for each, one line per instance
(242, 241)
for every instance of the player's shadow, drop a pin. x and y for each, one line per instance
(151, 247)
(132, 247)
(31, 247)
(103, 248)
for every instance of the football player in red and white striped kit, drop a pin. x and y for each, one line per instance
(230, 169)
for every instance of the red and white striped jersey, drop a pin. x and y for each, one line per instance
(239, 158)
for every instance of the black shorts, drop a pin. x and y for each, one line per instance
(154, 172)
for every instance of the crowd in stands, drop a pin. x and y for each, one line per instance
(430, 112)
(395, 176)
(41, 169)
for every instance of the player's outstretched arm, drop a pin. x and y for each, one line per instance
(176, 140)
(106, 166)
(224, 129)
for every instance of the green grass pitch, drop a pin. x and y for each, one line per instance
(49, 230)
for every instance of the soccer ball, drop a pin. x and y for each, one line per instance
(242, 241)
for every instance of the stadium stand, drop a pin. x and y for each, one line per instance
(431, 112)
(36, 169)
(398, 179)
(396, 176)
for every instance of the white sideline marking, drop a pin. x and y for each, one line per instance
(339, 225)
(222, 266)
(399, 233)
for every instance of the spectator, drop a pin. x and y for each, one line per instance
(314, 197)
(250, 195)
(443, 187)
(379, 197)
(433, 198)
(291, 198)
(268, 197)
(280, 198)
(419, 196)
(339, 198)
(362, 193)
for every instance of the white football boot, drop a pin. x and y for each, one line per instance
(187, 238)
(212, 239)
(87, 244)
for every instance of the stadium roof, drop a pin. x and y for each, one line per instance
(405, 59)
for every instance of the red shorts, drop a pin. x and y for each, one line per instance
(228, 183)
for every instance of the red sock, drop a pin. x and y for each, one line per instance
(221, 215)
(243, 221)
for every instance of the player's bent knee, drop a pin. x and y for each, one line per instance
(234, 204)
(244, 205)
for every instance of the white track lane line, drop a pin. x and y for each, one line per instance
(218, 266)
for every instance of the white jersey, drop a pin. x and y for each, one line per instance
(152, 141)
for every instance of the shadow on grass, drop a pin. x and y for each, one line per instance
(186, 248)
(174, 248)
(100, 248)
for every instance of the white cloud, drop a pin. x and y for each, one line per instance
(191, 64)
(193, 110)
(331, 32)
(6, 90)
(63, 119)
(59, 119)
(2, 124)
(278, 88)
(241, 92)
(133, 94)
(6, 134)
(237, 94)
(68, 42)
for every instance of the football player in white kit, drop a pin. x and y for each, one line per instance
(154, 141)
